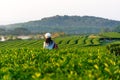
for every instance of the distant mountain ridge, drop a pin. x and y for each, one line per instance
(67, 24)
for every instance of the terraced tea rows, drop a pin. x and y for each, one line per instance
(21, 43)
(81, 41)
(67, 41)
(27, 60)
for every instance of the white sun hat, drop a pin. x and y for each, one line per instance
(47, 35)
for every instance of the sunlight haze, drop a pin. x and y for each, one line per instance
(17, 11)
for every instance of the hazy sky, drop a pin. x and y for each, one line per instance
(15, 11)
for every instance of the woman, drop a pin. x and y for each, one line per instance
(49, 43)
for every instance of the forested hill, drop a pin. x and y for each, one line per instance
(68, 24)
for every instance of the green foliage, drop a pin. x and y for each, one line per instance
(111, 35)
(88, 41)
(67, 63)
(114, 48)
(81, 41)
(96, 41)
(27, 60)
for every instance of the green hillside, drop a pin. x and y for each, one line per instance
(67, 24)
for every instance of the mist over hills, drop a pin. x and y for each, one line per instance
(67, 24)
